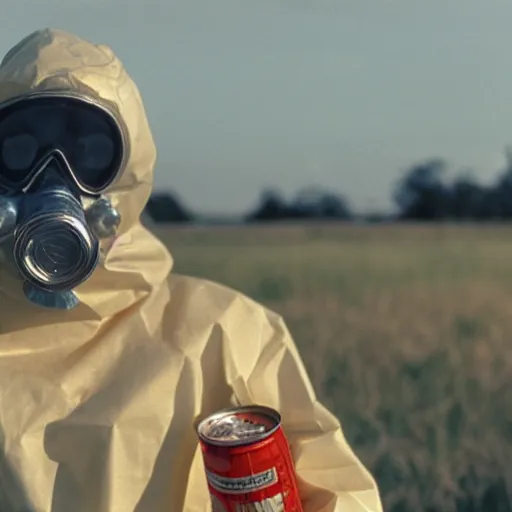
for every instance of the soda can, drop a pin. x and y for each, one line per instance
(249, 467)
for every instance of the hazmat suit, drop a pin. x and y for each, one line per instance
(98, 398)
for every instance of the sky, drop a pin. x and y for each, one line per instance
(244, 95)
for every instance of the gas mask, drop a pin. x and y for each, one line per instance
(58, 154)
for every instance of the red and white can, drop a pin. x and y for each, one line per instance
(249, 467)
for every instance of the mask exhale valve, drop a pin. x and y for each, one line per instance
(54, 248)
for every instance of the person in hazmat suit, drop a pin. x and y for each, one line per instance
(107, 359)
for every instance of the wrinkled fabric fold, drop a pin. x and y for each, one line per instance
(98, 404)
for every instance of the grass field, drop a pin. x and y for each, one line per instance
(407, 334)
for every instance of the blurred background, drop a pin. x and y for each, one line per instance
(347, 163)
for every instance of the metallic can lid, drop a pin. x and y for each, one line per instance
(239, 426)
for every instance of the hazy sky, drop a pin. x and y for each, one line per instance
(247, 94)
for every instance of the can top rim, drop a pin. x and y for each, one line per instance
(268, 412)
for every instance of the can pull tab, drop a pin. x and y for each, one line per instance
(247, 429)
(237, 428)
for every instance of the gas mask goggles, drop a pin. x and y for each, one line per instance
(58, 155)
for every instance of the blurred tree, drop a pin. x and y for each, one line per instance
(500, 198)
(421, 194)
(271, 207)
(468, 200)
(316, 203)
(310, 203)
(164, 207)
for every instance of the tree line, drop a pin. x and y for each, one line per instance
(424, 193)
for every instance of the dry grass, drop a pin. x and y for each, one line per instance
(406, 334)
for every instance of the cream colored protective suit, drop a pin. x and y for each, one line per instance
(98, 404)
